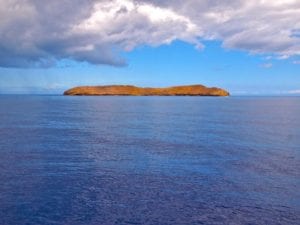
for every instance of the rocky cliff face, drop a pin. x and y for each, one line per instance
(190, 90)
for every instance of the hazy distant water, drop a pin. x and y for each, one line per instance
(149, 160)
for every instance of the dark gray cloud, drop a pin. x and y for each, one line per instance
(40, 32)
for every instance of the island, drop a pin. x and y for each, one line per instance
(130, 90)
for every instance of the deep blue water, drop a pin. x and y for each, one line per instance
(149, 160)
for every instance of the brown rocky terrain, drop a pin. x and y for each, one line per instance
(189, 90)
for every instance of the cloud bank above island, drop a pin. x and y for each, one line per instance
(41, 33)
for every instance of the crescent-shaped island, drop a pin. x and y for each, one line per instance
(130, 90)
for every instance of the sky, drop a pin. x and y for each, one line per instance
(247, 47)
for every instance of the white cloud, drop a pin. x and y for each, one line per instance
(40, 32)
(294, 92)
(128, 24)
(267, 65)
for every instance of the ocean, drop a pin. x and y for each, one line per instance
(149, 160)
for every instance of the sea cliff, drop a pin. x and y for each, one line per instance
(130, 90)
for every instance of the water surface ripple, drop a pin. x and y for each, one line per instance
(149, 160)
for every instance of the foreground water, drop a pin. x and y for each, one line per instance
(149, 160)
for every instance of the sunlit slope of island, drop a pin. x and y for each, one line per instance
(189, 90)
(130, 90)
